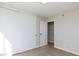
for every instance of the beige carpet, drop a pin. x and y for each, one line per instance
(48, 50)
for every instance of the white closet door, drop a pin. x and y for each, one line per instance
(37, 32)
(43, 33)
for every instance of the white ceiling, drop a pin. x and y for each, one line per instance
(49, 9)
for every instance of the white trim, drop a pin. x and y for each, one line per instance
(73, 52)
(24, 50)
(29, 49)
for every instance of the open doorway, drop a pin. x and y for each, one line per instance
(51, 32)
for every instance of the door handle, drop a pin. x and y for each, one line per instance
(40, 33)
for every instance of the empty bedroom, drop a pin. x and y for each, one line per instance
(39, 29)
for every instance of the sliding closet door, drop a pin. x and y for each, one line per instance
(37, 35)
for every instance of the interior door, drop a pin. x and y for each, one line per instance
(43, 33)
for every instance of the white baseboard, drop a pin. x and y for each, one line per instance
(76, 53)
(29, 49)
(24, 50)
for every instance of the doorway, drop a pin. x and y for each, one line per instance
(51, 32)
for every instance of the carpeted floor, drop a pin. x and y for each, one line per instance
(48, 50)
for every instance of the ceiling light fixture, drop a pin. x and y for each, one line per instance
(44, 2)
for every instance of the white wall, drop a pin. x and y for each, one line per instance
(67, 31)
(19, 29)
